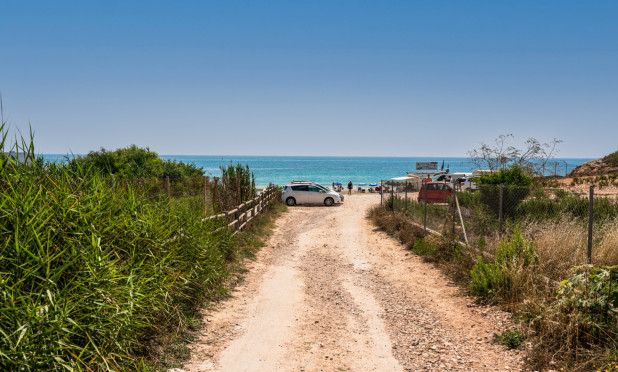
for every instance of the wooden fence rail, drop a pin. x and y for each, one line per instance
(243, 213)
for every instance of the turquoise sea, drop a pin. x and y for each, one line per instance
(327, 169)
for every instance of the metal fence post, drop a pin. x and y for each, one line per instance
(555, 168)
(424, 187)
(393, 194)
(453, 217)
(405, 210)
(590, 220)
(500, 202)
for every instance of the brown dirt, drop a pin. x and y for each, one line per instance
(593, 168)
(330, 293)
(583, 189)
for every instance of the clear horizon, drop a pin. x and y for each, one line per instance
(315, 156)
(277, 78)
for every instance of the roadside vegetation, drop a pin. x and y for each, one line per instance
(565, 310)
(132, 162)
(100, 278)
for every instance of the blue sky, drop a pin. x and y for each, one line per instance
(366, 78)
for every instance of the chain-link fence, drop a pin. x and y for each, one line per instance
(569, 228)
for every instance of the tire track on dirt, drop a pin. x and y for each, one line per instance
(329, 293)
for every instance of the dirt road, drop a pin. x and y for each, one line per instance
(330, 293)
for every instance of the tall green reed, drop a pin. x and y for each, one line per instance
(90, 276)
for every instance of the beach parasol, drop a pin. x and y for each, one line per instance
(373, 185)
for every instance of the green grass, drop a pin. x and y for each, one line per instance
(512, 338)
(98, 279)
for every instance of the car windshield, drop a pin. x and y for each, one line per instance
(321, 187)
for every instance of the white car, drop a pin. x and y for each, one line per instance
(467, 183)
(307, 192)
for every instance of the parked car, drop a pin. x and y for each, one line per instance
(436, 192)
(307, 192)
(454, 176)
(467, 183)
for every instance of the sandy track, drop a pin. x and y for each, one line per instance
(329, 293)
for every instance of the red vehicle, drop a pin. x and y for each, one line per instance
(436, 192)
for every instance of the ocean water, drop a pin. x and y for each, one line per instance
(280, 170)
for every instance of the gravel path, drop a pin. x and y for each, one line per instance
(330, 293)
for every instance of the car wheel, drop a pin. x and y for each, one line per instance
(329, 201)
(290, 201)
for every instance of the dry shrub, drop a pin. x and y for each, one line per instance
(605, 252)
(579, 328)
(562, 245)
(454, 258)
(397, 225)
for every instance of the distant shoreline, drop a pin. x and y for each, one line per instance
(325, 170)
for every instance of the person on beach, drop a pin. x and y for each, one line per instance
(350, 186)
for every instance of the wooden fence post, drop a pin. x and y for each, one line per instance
(167, 188)
(500, 209)
(590, 223)
(214, 195)
(205, 194)
(239, 190)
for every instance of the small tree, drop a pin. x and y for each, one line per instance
(532, 158)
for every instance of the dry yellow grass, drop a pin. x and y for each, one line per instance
(563, 244)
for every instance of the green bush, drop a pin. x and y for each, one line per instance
(422, 247)
(134, 162)
(513, 176)
(566, 204)
(581, 325)
(485, 279)
(490, 280)
(512, 338)
(90, 276)
(516, 186)
(469, 199)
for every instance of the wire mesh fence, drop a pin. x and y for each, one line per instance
(569, 228)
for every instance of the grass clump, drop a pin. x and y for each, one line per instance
(424, 247)
(397, 225)
(512, 338)
(515, 261)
